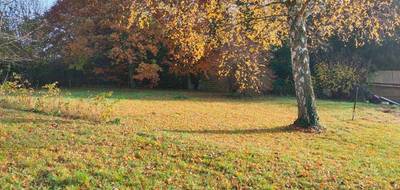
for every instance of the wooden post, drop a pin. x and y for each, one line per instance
(355, 103)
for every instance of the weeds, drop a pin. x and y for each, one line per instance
(103, 107)
(17, 94)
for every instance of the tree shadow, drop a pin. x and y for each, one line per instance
(282, 129)
(20, 120)
(173, 95)
(42, 117)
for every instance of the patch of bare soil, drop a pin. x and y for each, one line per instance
(395, 110)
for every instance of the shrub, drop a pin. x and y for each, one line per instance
(17, 92)
(103, 107)
(52, 90)
(337, 80)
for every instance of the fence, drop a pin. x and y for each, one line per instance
(386, 84)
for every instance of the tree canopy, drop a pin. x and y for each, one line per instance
(200, 27)
(226, 38)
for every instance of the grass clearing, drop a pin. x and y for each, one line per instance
(178, 139)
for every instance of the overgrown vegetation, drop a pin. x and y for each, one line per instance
(17, 94)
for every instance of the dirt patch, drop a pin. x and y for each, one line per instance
(391, 110)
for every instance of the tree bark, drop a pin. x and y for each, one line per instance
(131, 81)
(307, 110)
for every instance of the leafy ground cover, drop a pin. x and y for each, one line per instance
(186, 140)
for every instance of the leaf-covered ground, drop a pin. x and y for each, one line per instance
(183, 140)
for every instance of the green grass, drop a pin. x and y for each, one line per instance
(186, 140)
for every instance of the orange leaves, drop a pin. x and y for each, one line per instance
(148, 72)
(99, 71)
(184, 31)
(152, 48)
(218, 36)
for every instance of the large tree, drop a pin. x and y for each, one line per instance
(233, 36)
(357, 20)
(201, 27)
(19, 24)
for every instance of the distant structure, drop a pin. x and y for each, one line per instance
(386, 84)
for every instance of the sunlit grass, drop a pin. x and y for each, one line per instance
(192, 140)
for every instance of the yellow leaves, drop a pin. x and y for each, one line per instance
(246, 64)
(132, 17)
(358, 20)
(144, 21)
(194, 30)
(214, 10)
(338, 77)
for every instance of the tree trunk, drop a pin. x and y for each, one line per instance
(189, 83)
(131, 81)
(307, 109)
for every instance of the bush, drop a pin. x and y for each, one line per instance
(337, 80)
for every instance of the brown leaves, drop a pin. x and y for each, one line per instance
(203, 37)
(148, 72)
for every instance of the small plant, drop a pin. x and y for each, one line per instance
(52, 90)
(16, 93)
(103, 107)
(49, 100)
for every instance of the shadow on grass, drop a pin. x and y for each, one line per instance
(16, 116)
(173, 95)
(34, 121)
(282, 129)
(58, 118)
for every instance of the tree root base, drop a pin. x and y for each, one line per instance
(300, 126)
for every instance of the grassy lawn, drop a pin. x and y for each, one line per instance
(187, 140)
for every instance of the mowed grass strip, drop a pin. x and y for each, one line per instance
(184, 140)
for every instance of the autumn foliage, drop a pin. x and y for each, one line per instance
(217, 37)
(148, 72)
(102, 34)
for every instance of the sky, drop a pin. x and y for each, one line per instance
(48, 3)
